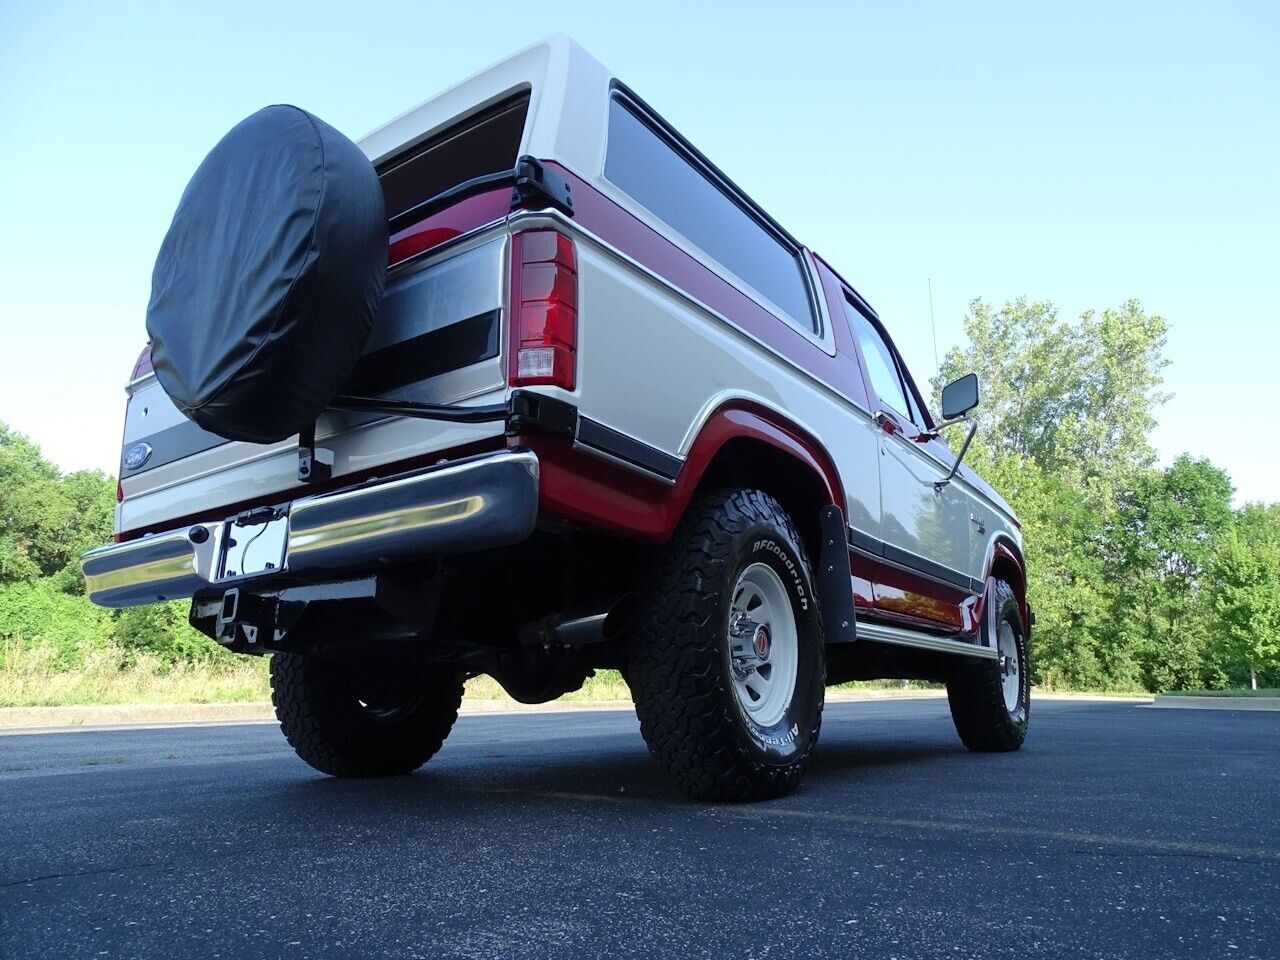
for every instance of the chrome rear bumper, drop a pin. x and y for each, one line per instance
(473, 505)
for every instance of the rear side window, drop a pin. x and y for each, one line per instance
(656, 174)
(486, 143)
(881, 367)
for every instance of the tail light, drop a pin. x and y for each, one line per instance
(142, 364)
(544, 310)
(118, 537)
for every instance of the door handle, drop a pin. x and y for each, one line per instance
(885, 422)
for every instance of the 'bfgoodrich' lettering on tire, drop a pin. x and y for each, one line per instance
(796, 581)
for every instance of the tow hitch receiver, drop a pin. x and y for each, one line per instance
(241, 617)
(385, 604)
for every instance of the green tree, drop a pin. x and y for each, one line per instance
(1246, 591)
(33, 513)
(1078, 399)
(1161, 542)
(92, 495)
(1068, 584)
(1063, 434)
(48, 520)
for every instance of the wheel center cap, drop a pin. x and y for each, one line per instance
(761, 642)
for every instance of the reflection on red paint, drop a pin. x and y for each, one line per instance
(463, 217)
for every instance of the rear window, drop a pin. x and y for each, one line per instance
(661, 177)
(485, 143)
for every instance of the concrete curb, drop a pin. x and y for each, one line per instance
(132, 714)
(107, 716)
(1217, 703)
(99, 716)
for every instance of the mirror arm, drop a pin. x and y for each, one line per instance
(955, 467)
(936, 430)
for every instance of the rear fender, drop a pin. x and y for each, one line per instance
(578, 486)
(582, 488)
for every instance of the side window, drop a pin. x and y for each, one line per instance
(488, 143)
(881, 367)
(670, 185)
(917, 417)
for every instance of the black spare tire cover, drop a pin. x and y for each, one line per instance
(269, 278)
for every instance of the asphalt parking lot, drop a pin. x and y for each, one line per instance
(1119, 830)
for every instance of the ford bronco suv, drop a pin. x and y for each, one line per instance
(525, 386)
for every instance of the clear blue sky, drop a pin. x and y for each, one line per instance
(1085, 154)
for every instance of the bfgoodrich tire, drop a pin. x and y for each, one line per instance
(725, 659)
(991, 699)
(354, 720)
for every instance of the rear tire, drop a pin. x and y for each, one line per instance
(728, 711)
(991, 699)
(349, 720)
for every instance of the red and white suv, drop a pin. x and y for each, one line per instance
(610, 415)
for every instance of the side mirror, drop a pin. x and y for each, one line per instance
(959, 396)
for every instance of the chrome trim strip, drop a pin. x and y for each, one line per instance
(902, 637)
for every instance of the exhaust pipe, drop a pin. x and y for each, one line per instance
(576, 629)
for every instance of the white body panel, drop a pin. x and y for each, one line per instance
(916, 516)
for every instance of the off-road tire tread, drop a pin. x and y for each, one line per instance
(322, 730)
(687, 714)
(976, 696)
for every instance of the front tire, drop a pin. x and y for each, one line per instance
(726, 659)
(991, 699)
(359, 720)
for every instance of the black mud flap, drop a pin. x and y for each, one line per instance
(835, 579)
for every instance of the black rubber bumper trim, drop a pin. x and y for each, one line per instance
(607, 440)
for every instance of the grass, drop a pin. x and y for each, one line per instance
(605, 685)
(33, 677)
(1264, 692)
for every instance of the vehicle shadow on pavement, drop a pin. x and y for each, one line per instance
(499, 783)
(864, 758)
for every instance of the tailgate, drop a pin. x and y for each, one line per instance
(437, 339)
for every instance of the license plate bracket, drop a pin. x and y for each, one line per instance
(253, 544)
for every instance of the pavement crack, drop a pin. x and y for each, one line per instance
(74, 873)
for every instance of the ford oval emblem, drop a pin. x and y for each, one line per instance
(137, 455)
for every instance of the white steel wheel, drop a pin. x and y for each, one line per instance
(763, 645)
(1010, 667)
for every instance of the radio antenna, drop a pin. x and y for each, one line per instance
(934, 326)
